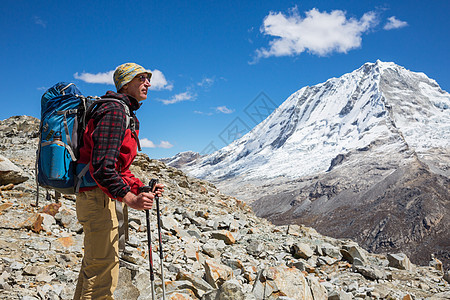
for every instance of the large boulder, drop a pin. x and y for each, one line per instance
(10, 173)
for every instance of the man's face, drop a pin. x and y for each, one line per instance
(138, 87)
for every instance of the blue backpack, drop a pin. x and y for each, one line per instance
(64, 116)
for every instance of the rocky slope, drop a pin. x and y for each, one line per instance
(214, 246)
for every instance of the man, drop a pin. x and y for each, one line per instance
(110, 144)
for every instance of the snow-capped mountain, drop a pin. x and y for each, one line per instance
(364, 156)
(317, 123)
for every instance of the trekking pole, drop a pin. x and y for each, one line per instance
(147, 189)
(150, 257)
(161, 256)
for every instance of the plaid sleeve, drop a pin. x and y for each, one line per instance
(107, 139)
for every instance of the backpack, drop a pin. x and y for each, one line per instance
(65, 113)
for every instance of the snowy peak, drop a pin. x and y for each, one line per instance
(315, 124)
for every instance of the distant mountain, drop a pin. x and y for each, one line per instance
(182, 159)
(317, 123)
(363, 156)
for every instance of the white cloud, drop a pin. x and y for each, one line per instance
(105, 78)
(165, 145)
(158, 81)
(39, 21)
(224, 109)
(319, 33)
(394, 23)
(206, 82)
(203, 113)
(180, 97)
(146, 143)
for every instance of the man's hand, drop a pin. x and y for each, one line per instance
(159, 189)
(142, 201)
(145, 199)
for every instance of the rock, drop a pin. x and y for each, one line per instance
(32, 222)
(68, 218)
(400, 261)
(294, 230)
(318, 291)
(5, 206)
(181, 285)
(370, 272)
(447, 276)
(10, 173)
(223, 235)
(34, 270)
(47, 222)
(168, 223)
(216, 274)
(231, 290)
(181, 296)
(211, 295)
(282, 280)
(331, 251)
(234, 264)
(326, 260)
(51, 209)
(255, 247)
(352, 251)
(201, 285)
(211, 249)
(301, 250)
(68, 243)
(340, 295)
(436, 264)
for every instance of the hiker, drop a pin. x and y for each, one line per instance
(109, 147)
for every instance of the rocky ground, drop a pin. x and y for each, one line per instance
(214, 246)
(386, 204)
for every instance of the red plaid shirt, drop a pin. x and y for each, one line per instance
(111, 147)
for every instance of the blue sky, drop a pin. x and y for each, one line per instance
(219, 66)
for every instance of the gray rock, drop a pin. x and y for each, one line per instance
(211, 250)
(201, 285)
(216, 273)
(68, 218)
(125, 289)
(231, 290)
(331, 251)
(255, 247)
(318, 291)
(400, 261)
(447, 276)
(352, 251)
(370, 272)
(47, 222)
(301, 250)
(10, 173)
(223, 235)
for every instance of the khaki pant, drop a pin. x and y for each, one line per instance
(99, 271)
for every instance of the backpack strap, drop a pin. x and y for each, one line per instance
(66, 127)
(64, 88)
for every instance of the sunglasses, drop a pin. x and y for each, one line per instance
(142, 78)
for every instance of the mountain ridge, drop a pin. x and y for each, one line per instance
(351, 141)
